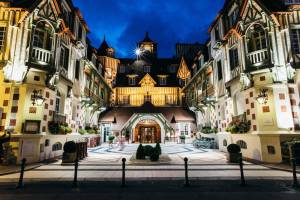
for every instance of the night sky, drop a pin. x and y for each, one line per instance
(124, 22)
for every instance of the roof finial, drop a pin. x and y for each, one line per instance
(104, 37)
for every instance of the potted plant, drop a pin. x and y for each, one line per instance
(70, 152)
(111, 139)
(182, 139)
(234, 153)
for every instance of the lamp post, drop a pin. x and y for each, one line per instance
(37, 98)
(262, 97)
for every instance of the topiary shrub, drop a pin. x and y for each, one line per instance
(234, 153)
(148, 149)
(158, 148)
(140, 154)
(70, 147)
(234, 148)
(154, 154)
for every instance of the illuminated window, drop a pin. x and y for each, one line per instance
(2, 37)
(170, 99)
(147, 69)
(126, 100)
(147, 98)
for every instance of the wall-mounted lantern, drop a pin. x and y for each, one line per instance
(262, 97)
(37, 98)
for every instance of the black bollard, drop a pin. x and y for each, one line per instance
(21, 184)
(123, 172)
(187, 183)
(295, 180)
(243, 182)
(75, 185)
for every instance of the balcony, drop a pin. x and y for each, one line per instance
(41, 56)
(259, 58)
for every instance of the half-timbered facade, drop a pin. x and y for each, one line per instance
(49, 83)
(254, 60)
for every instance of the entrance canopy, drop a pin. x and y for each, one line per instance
(122, 117)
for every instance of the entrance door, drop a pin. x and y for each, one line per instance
(148, 134)
(147, 131)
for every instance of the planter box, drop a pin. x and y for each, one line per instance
(69, 157)
(234, 157)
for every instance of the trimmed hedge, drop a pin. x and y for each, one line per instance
(140, 154)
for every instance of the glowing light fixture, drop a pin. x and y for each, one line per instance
(37, 98)
(138, 52)
(262, 97)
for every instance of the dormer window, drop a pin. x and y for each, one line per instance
(121, 69)
(292, 1)
(147, 69)
(162, 80)
(131, 80)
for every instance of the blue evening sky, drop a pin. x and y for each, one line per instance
(124, 22)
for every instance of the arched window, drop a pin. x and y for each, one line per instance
(225, 143)
(57, 146)
(242, 144)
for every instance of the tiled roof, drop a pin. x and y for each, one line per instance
(123, 114)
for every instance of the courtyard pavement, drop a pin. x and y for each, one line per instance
(104, 163)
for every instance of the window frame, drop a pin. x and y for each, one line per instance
(3, 42)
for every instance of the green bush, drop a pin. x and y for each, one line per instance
(182, 137)
(140, 154)
(148, 149)
(68, 130)
(91, 131)
(154, 154)
(53, 127)
(234, 148)
(111, 138)
(158, 148)
(70, 147)
(81, 131)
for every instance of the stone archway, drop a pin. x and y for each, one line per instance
(147, 131)
(147, 117)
